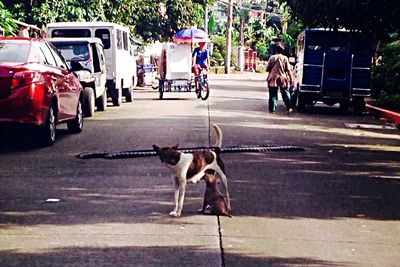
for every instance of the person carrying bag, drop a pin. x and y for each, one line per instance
(279, 77)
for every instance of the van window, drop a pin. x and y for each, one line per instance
(96, 59)
(76, 52)
(362, 44)
(300, 44)
(125, 36)
(338, 43)
(119, 39)
(104, 35)
(71, 33)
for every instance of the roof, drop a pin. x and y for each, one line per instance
(75, 40)
(72, 24)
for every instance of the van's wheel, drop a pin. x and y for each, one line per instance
(358, 105)
(89, 104)
(117, 97)
(47, 132)
(76, 125)
(101, 102)
(301, 101)
(129, 95)
(344, 105)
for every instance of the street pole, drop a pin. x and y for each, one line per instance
(228, 38)
(206, 19)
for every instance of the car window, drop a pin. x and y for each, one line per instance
(104, 35)
(126, 44)
(13, 51)
(70, 33)
(100, 52)
(119, 39)
(60, 61)
(47, 54)
(96, 58)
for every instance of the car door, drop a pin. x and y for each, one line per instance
(99, 68)
(55, 80)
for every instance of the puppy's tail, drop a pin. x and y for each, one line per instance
(218, 132)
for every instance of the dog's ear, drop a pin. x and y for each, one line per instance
(156, 149)
(175, 146)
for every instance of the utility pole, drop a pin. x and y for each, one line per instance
(206, 19)
(228, 38)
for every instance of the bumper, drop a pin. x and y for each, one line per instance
(19, 108)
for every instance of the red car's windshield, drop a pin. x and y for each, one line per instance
(11, 51)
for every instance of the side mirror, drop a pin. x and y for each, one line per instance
(76, 66)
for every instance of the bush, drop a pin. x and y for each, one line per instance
(386, 76)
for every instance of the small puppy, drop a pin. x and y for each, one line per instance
(190, 168)
(214, 202)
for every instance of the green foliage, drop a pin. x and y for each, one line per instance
(143, 17)
(6, 21)
(260, 69)
(386, 76)
(375, 16)
(262, 49)
(219, 49)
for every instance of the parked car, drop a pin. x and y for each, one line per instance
(333, 67)
(86, 57)
(37, 88)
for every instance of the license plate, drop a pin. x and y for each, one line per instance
(180, 83)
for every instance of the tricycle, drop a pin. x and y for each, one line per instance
(175, 70)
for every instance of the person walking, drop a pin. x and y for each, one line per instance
(279, 77)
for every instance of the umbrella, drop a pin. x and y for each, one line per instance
(192, 35)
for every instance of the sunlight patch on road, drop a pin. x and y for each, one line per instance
(371, 147)
(334, 240)
(187, 231)
(315, 128)
(27, 213)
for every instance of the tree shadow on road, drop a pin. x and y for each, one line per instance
(288, 185)
(146, 256)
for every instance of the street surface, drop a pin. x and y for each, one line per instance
(335, 204)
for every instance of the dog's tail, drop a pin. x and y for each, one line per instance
(218, 132)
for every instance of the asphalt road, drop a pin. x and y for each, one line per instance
(337, 203)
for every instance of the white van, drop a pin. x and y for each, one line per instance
(86, 54)
(120, 60)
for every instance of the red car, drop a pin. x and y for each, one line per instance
(37, 88)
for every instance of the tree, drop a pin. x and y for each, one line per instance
(374, 16)
(6, 21)
(143, 17)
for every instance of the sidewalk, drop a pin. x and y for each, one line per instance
(239, 76)
(384, 114)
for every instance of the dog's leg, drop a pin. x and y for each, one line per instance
(225, 182)
(176, 196)
(196, 178)
(203, 208)
(182, 190)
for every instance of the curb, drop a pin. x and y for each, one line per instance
(388, 115)
(238, 76)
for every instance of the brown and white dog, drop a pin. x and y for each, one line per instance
(214, 202)
(190, 168)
